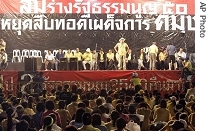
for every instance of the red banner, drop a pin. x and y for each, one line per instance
(10, 81)
(164, 81)
(98, 6)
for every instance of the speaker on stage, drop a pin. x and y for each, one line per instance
(30, 64)
(63, 65)
(73, 64)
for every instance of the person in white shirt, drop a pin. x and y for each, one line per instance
(87, 58)
(121, 48)
(153, 50)
(49, 58)
(94, 60)
(181, 56)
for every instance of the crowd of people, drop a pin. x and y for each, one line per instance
(68, 108)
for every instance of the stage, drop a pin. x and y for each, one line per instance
(165, 81)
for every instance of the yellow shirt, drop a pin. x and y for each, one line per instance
(136, 81)
(4, 124)
(162, 56)
(114, 103)
(28, 111)
(146, 113)
(150, 101)
(188, 65)
(110, 56)
(94, 56)
(78, 55)
(121, 48)
(191, 119)
(3, 45)
(72, 108)
(110, 126)
(141, 56)
(161, 114)
(153, 49)
(65, 115)
(68, 56)
(87, 56)
(101, 56)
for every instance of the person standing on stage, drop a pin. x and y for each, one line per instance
(2, 44)
(57, 58)
(153, 51)
(181, 56)
(121, 48)
(142, 60)
(129, 60)
(87, 58)
(162, 58)
(101, 59)
(49, 58)
(171, 49)
(3, 60)
(94, 60)
(78, 54)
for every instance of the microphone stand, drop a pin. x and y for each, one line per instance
(96, 61)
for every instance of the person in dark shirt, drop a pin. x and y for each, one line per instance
(57, 58)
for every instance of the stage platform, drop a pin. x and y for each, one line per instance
(165, 81)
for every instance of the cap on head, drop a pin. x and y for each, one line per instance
(121, 39)
(88, 50)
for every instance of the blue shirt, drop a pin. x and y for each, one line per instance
(58, 56)
(171, 49)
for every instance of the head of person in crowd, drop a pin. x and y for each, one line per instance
(48, 122)
(22, 125)
(74, 88)
(70, 128)
(74, 98)
(121, 124)
(27, 118)
(114, 116)
(87, 118)
(96, 119)
(78, 115)
(120, 108)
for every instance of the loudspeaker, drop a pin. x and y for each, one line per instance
(73, 65)
(30, 64)
(19, 66)
(63, 66)
(39, 63)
